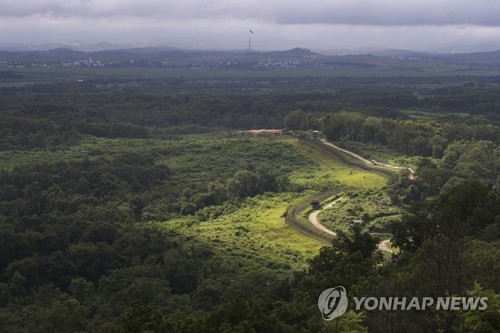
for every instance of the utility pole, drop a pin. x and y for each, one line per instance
(250, 41)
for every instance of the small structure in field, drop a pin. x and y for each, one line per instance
(315, 205)
(358, 222)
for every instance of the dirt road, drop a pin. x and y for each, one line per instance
(347, 152)
(367, 161)
(313, 218)
(384, 246)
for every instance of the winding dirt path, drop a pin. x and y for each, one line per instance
(384, 246)
(367, 161)
(347, 152)
(313, 218)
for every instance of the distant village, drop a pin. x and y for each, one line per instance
(92, 63)
(87, 63)
(64, 58)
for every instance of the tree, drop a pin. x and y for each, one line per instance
(244, 184)
(486, 320)
(359, 241)
(349, 322)
(348, 259)
(60, 270)
(295, 119)
(140, 318)
(82, 290)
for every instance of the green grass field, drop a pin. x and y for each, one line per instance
(329, 172)
(198, 159)
(259, 226)
(256, 231)
(373, 207)
(380, 153)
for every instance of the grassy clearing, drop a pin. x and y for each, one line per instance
(373, 207)
(328, 173)
(256, 232)
(379, 153)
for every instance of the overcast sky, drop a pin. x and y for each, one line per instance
(278, 24)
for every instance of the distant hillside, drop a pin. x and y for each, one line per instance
(476, 58)
(401, 53)
(296, 52)
(165, 56)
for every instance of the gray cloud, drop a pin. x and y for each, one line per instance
(354, 12)
(279, 24)
(390, 12)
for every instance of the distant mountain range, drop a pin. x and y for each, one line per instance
(109, 54)
(105, 46)
(7, 46)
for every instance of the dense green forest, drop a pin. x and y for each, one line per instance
(130, 206)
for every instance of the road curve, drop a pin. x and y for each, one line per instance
(313, 218)
(367, 161)
(384, 246)
(347, 152)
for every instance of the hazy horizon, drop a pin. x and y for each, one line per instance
(442, 26)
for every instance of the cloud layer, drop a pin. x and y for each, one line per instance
(317, 24)
(354, 12)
